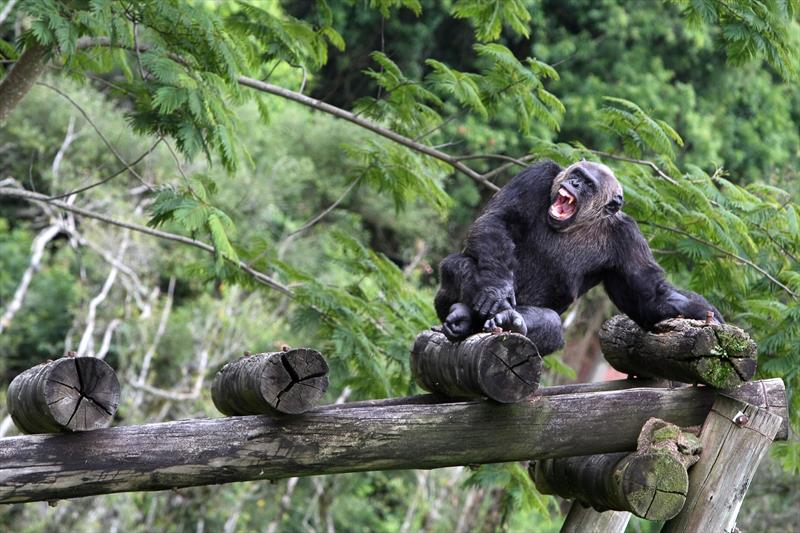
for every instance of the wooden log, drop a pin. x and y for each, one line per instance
(735, 437)
(425, 432)
(691, 351)
(504, 367)
(582, 519)
(651, 482)
(68, 394)
(291, 382)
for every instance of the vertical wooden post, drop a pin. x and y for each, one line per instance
(734, 439)
(586, 520)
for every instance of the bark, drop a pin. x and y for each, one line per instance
(69, 394)
(735, 437)
(21, 77)
(691, 351)
(586, 520)
(423, 433)
(504, 367)
(651, 483)
(290, 382)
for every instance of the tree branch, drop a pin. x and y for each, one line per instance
(375, 128)
(21, 77)
(725, 252)
(99, 133)
(36, 197)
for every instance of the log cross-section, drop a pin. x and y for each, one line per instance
(68, 394)
(416, 432)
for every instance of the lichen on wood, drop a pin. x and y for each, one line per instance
(692, 351)
(651, 482)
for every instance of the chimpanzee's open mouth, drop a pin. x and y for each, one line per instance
(564, 206)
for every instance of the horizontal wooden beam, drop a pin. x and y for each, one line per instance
(416, 432)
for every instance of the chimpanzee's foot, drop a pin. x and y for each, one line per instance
(508, 320)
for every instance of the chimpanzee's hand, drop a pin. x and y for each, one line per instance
(691, 305)
(491, 299)
(507, 320)
(458, 324)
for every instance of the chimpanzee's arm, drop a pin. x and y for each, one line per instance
(490, 244)
(637, 286)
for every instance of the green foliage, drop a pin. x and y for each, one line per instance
(637, 130)
(364, 323)
(750, 30)
(189, 207)
(489, 16)
(520, 492)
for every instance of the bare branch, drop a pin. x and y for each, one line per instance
(151, 351)
(36, 197)
(37, 250)
(7, 10)
(111, 176)
(327, 210)
(96, 129)
(643, 162)
(87, 339)
(380, 130)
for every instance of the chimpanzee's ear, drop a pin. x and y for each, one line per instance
(614, 205)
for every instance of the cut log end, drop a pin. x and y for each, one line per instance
(651, 482)
(692, 351)
(295, 381)
(655, 485)
(290, 382)
(68, 394)
(504, 367)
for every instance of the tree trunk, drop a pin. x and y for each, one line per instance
(651, 482)
(504, 367)
(691, 351)
(735, 438)
(290, 382)
(69, 394)
(347, 438)
(21, 77)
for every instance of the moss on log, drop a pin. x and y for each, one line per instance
(651, 482)
(68, 394)
(290, 382)
(691, 351)
(504, 367)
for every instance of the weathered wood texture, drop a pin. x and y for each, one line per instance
(375, 435)
(651, 482)
(68, 394)
(691, 351)
(582, 519)
(290, 382)
(735, 437)
(504, 367)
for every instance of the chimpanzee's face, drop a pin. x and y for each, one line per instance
(583, 193)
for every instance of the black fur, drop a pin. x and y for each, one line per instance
(520, 270)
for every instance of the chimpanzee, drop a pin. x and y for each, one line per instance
(544, 239)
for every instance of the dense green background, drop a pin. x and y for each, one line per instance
(704, 90)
